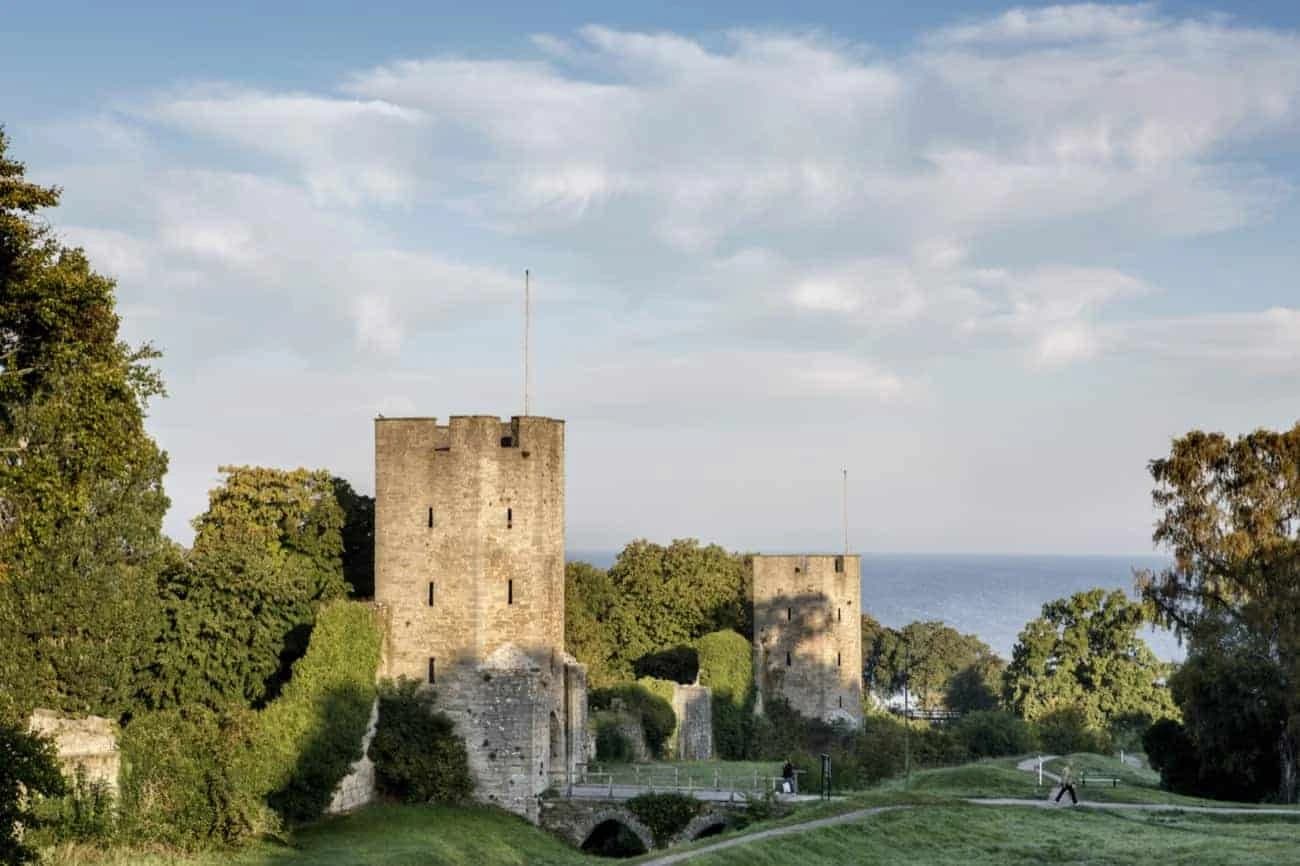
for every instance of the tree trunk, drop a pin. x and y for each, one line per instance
(1286, 754)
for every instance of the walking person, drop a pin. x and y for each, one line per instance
(1067, 784)
(787, 777)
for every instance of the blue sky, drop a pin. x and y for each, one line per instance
(990, 258)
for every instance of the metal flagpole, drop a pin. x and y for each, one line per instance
(528, 315)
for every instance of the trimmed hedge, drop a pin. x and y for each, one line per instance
(309, 736)
(726, 662)
(681, 664)
(418, 757)
(645, 698)
(665, 814)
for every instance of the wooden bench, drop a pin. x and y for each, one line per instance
(1114, 780)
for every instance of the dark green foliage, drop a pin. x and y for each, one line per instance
(28, 767)
(1173, 754)
(652, 599)
(358, 539)
(308, 737)
(993, 733)
(940, 664)
(418, 757)
(665, 814)
(81, 498)
(1236, 751)
(726, 662)
(658, 720)
(266, 555)
(1230, 514)
(680, 664)
(1067, 730)
(1084, 654)
(183, 780)
(86, 811)
(612, 747)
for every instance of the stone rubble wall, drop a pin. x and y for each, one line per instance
(85, 742)
(693, 706)
(358, 788)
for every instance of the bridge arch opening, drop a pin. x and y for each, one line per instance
(613, 838)
(710, 830)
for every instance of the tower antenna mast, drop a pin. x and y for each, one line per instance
(845, 502)
(528, 322)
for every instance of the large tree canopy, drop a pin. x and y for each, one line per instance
(655, 597)
(81, 498)
(267, 553)
(1230, 514)
(941, 666)
(1084, 653)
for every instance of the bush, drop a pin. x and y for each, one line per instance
(181, 782)
(612, 746)
(680, 664)
(308, 737)
(726, 662)
(665, 814)
(418, 757)
(1172, 753)
(28, 765)
(993, 733)
(644, 698)
(86, 811)
(1066, 731)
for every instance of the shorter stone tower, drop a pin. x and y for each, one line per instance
(808, 634)
(469, 566)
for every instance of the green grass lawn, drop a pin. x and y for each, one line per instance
(376, 836)
(984, 836)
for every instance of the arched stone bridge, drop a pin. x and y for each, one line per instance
(578, 821)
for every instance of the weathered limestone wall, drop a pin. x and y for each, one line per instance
(628, 724)
(358, 788)
(694, 735)
(808, 634)
(85, 742)
(469, 562)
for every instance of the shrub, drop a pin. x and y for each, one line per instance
(418, 757)
(86, 811)
(665, 814)
(308, 737)
(611, 745)
(181, 784)
(680, 664)
(644, 698)
(28, 765)
(1172, 753)
(726, 662)
(993, 733)
(1065, 731)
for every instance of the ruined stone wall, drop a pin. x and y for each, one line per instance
(808, 634)
(469, 563)
(358, 787)
(693, 706)
(88, 743)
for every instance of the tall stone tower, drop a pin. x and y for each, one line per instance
(808, 633)
(469, 566)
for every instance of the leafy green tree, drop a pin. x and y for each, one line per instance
(418, 757)
(1084, 653)
(935, 655)
(978, 686)
(267, 554)
(28, 766)
(81, 498)
(1230, 514)
(654, 598)
(358, 539)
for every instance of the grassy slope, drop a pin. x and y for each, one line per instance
(378, 836)
(981, 836)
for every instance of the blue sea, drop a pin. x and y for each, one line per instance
(990, 596)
